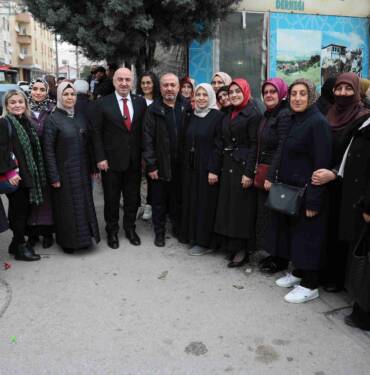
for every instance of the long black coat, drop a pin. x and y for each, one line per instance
(3, 219)
(235, 156)
(66, 161)
(356, 186)
(41, 215)
(306, 149)
(199, 198)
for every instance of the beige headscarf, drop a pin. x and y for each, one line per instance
(212, 102)
(61, 87)
(224, 76)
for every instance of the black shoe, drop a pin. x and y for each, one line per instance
(272, 266)
(26, 253)
(239, 260)
(68, 250)
(12, 247)
(32, 240)
(332, 287)
(112, 241)
(133, 237)
(159, 240)
(47, 241)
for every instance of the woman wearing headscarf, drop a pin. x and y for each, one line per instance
(345, 117)
(199, 192)
(272, 132)
(26, 169)
(67, 167)
(187, 90)
(300, 238)
(223, 99)
(235, 160)
(40, 221)
(220, 79)
(355, 218)
(326, 99)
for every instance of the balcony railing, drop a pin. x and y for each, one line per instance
(24, 39)
(23, 17)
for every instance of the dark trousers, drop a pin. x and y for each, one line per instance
(19, 209)
(127, 184)
(166, 199)
(310, 278)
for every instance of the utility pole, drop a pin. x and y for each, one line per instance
(56, 57)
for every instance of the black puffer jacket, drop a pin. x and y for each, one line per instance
(157, 150)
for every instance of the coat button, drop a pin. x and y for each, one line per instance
(231, 171)
(233, 139)
(356, 179)
(358, 155)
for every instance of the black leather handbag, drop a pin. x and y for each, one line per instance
(358, 277)
(286, 199)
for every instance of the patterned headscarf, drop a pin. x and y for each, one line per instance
(311, 88)
(212, 103)
(44, 105)
(61, 87)
(224, 76)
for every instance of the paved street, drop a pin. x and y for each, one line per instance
(157, 311)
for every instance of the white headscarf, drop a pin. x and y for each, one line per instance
(212, 102)
(61, 87)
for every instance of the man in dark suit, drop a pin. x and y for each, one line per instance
(117, 136)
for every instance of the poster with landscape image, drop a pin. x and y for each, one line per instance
(298, 55)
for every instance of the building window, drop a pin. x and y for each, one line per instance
(5, 47)
(24, 51)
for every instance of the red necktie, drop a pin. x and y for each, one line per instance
(126, 113)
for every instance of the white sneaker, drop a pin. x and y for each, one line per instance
(288, 281)
(147, 215)
(301, 294)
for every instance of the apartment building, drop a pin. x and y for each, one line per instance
(32, 47)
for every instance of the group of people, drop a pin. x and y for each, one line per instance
(211, 158)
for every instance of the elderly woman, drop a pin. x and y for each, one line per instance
(300, 238)
(220, 79)
(345, 116)
(25, 170)
(40, 221)
(223, 99)
(67, 167)
(235, 156)
(199, 192)
(272, 132)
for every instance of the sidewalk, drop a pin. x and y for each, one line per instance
(157, 311)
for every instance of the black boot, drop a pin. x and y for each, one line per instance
(32, 240)
(26, 253)
(47, 241)
(12, 247)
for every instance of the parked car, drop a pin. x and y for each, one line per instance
(4, 87)
(24, 85)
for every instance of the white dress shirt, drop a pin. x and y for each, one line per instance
(129, 104)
